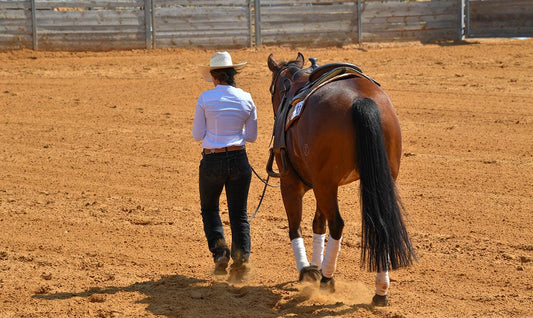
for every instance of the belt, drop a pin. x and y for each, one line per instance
(225, 149)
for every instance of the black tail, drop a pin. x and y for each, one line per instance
(384, 236)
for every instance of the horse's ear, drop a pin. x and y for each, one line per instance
(272, 64)
(300, 60)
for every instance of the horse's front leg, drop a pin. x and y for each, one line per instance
(311, 273)
(319, 237)
(292, 193)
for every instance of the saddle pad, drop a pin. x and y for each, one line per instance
(296, 110)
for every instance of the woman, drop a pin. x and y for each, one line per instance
(225, 119)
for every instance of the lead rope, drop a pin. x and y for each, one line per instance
(264, 188)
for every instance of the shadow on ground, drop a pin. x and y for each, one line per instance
(182, 296)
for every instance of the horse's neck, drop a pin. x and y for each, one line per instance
(295, 87)
(297, 84)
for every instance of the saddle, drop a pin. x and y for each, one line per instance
(319, 77)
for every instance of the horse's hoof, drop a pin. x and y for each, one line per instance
(380, 301)
(310, 274)
(327, 284)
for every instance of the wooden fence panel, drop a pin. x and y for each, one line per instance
(15, 5)
(88, 4)
(125, 24)
(500, 18)
(202, 23)
(303, 2)
(201, 3)
(15, 24)
(90, 24)
(425, 21)
(318, 22)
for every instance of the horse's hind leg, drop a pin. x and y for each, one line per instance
(382, 278)
(382, 287)
(326, 198)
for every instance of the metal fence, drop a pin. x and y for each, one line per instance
(124, 24)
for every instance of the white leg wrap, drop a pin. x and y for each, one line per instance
(382, 283)
(329, 264)
(300, 256)
(318, 249)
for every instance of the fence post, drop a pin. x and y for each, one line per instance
(467, 19)
(257, 7)
(152, 9)
(250, 31)
(359, 22)
(34, 25)
(148, 23)
(461, 24)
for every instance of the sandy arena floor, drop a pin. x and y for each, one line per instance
(99, 207)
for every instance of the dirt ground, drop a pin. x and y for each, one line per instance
(99, 204)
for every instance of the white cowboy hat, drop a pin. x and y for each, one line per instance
(218, 61)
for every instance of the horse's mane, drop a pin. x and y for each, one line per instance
(291, 65)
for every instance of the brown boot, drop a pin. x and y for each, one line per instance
(221, 256)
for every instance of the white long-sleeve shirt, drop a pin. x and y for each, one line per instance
(225, 116)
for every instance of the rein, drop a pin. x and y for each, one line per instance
(264, 188)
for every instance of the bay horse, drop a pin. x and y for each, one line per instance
(347, 130)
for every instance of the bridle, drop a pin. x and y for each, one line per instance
(275, 80)
(283, 92)
(294, 76)
(286, 83)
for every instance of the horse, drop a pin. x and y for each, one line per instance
(347, 130)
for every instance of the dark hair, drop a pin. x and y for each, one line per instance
(225, 75)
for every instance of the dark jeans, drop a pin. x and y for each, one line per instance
(230, 170)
